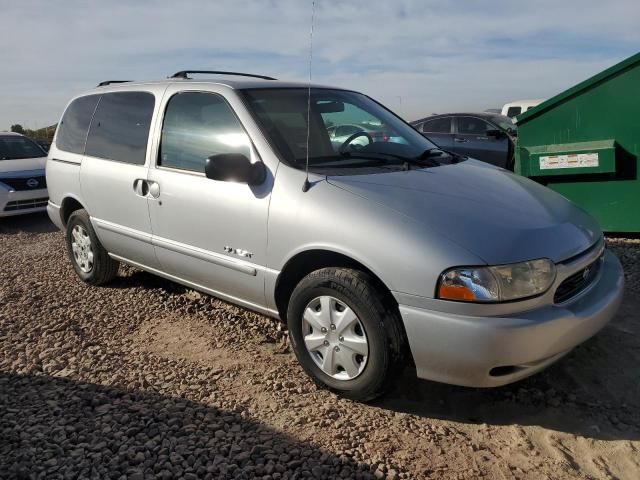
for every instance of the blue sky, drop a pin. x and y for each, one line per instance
(417, 57)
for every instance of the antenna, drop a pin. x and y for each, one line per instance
(306, 185)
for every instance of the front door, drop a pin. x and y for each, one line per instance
(210, 233)
(471, 140)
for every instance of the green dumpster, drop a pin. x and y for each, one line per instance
(584, 143)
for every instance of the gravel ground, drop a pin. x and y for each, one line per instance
(147, 379)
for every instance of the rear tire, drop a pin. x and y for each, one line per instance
(89, 258)
(360, 361)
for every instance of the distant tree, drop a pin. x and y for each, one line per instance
(17, 128)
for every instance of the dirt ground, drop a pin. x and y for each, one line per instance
(147, 379)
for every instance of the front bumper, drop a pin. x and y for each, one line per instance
(491, 351)
(22, 202)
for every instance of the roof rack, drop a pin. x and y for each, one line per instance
(109, 82)
(185, 74)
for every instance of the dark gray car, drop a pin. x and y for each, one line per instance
(485, 136)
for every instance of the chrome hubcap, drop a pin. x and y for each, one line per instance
(335, 338)
(81, 248)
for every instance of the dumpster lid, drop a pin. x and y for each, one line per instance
(572, 147)
(580, 87)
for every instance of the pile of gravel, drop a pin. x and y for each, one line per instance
(628, 251)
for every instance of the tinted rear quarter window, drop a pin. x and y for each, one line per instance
(120, 127)
(513, 111)
(437, 125)
(72, 132)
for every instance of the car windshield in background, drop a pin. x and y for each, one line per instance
(12, 148)
(346, 129)
(504, 123)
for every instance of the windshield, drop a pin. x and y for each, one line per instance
(504, 122)
(346, 129)
(12, 148)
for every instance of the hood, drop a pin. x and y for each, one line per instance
(22, 164)
(491, 212)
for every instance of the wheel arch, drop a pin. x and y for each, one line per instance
(307, 261)
(69, 205)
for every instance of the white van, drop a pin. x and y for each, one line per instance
(373, 253)
(519, 106)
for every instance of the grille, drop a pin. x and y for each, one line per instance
(26, 204)
(578, 281)
(22, 183)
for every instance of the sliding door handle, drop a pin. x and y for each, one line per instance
(141, 187)
(146, 188)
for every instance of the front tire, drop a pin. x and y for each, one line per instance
(344, 335)
(89, 258)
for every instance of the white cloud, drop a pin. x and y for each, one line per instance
(434, 55)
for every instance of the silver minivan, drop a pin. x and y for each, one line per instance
(379, 251)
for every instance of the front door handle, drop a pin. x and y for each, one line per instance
(460, 140)
(154, 189)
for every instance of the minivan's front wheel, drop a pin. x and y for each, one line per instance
(343, 334)
(90, 260)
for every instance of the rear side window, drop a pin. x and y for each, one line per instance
(196, 126)
(437, 125)
(120, 127)
(72, 132)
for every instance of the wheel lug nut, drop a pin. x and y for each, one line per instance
(326, 343)
(323, 329)
(337, 349)
(333, 327)
(341, 338)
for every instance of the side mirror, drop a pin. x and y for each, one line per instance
(495, 133)
(234, 167)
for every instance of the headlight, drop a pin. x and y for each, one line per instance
(497, 284)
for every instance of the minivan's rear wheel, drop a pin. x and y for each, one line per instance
(343, 334)
(90, 260)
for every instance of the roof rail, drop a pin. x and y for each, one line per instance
(109, 82)
(185, 74)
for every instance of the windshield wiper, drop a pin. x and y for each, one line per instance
(379, 157)
(430, 153)
(438, 152)
(339, 162)
(423, 160)
(367, 155)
